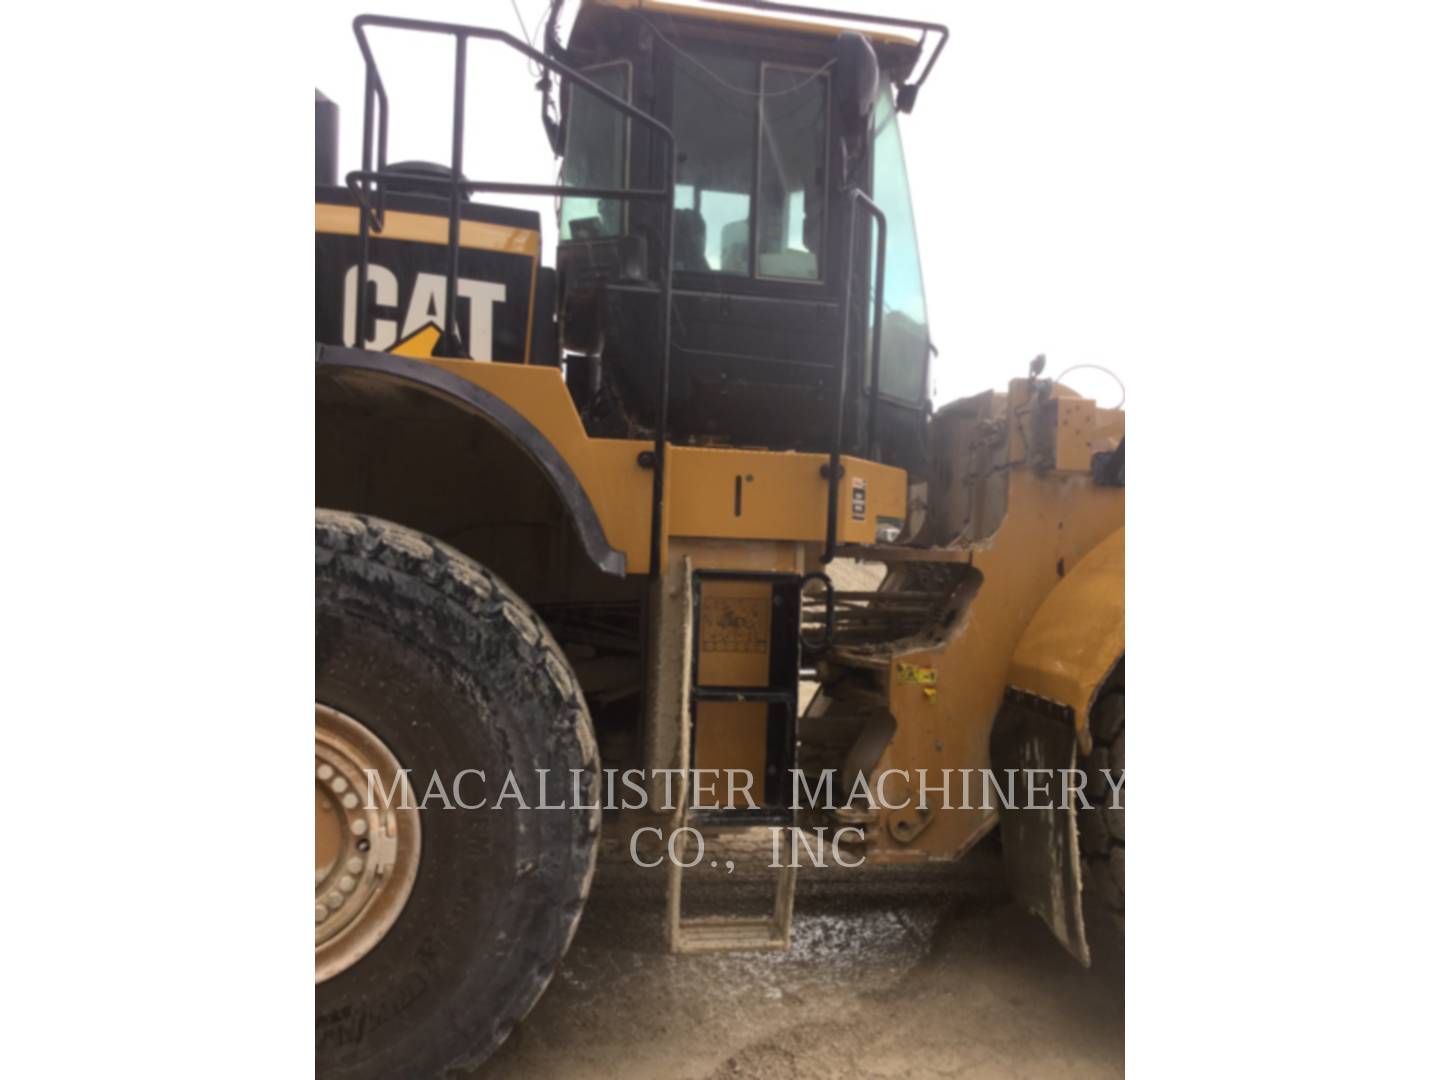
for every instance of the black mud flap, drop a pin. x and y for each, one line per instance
(1041, 846)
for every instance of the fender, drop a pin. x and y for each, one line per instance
(1068, 651)
(358, 367)
(1077, 636)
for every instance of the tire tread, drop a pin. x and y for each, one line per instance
(374, 546)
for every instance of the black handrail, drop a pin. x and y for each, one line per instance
(832, 471)
(829, 635)
(909, 91)
(360, 182)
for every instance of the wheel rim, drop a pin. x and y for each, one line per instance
(367, 841)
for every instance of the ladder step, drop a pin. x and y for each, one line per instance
(739, 819)
(721, 933)
(740, 693)
(718, 933)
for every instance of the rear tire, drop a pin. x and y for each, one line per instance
(452, 671)
(1102, 831)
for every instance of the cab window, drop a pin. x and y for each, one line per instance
(714, 124)
(750, 173)
(904, 331)
(791, 228)
(597, 149)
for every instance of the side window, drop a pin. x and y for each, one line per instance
(905, 333)
(791, 221)
(597, 151)
(714, 125)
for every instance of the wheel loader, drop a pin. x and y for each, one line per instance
(576, 525)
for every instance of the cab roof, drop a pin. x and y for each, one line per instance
(898, 48)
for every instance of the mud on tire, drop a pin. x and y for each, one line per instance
(452, 671)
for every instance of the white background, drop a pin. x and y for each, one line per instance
(1232, 205)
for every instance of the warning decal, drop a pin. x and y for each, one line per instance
(857, 499)
(735, 624)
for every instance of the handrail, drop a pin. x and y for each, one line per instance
(829, 635)
(909, 90)
(833, 470)
(360, 182)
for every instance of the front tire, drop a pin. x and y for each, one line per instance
(451, 671)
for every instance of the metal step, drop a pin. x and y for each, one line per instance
(722, 933)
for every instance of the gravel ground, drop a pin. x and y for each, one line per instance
(894, 972)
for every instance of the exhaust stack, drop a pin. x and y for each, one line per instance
(327, 141)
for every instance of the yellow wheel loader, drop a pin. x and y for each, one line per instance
(575, 526)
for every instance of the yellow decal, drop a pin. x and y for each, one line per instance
(421, 343)
(919, 676)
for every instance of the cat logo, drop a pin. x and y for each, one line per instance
(420, 328)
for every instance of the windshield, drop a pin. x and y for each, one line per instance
(904, 332)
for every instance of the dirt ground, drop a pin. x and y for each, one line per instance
(902, 973)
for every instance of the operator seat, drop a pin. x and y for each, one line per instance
(690, 241)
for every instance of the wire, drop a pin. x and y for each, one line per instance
(529, 35)
(1097, 367)
(525, 32)
(731, 86)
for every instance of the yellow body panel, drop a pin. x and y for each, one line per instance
(945, 697)
(783, 494)
(429, 229)
(760, 556)
(1075, 639)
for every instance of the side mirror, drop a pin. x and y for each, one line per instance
(857, 82)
